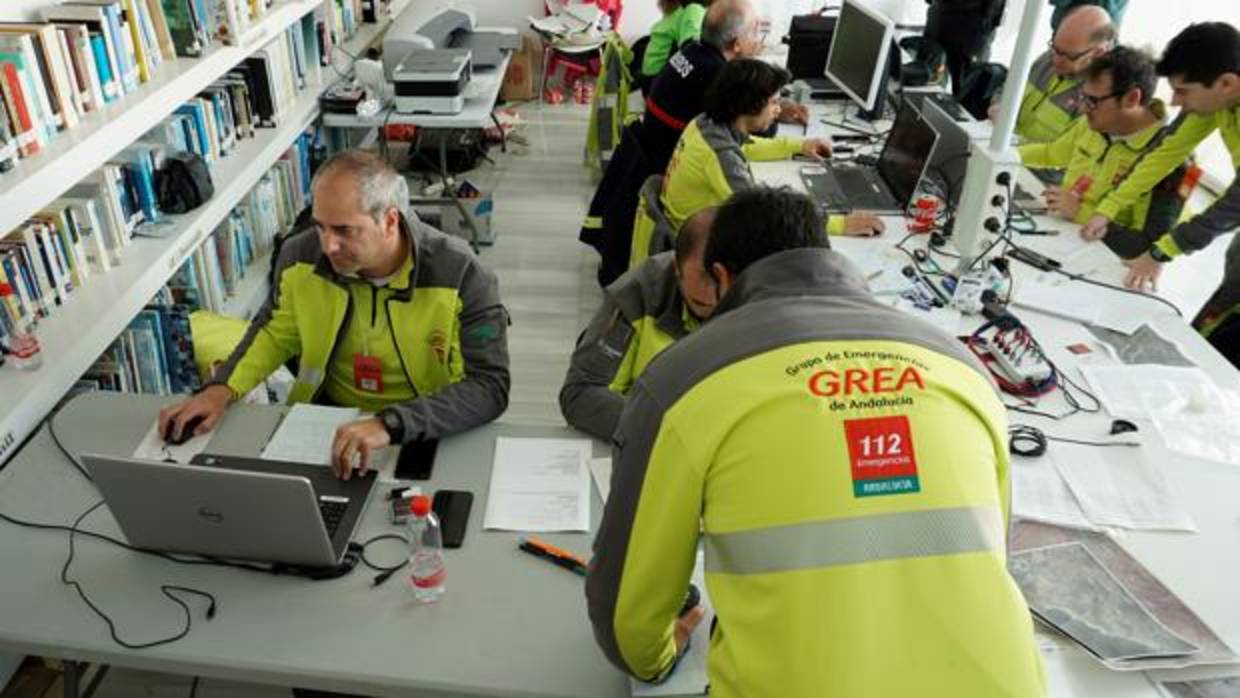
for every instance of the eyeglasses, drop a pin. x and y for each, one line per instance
(1074, 57)
(1090, 102)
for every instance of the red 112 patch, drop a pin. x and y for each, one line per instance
(881, 453)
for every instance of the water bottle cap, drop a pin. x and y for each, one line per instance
(420, 505)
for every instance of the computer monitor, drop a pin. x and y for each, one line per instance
(951, 155)
(860, 48)
(907, 153)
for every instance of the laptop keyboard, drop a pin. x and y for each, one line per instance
(332, 510)
(859, 188)
(824, 190)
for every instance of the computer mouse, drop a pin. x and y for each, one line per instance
(187, 431)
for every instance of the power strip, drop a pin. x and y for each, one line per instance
(1016, 357)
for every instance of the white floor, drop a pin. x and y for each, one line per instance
(541, 191)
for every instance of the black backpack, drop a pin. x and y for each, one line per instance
(183, 183)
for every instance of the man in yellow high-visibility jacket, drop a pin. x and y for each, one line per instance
(643, 313)
(382, 312)
(1051, 101)
(1123, 121)
(1203, 65)
(846, 468)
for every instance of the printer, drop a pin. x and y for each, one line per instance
(430, 53)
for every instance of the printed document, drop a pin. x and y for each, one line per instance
(600, 470)
(540, 485)
(306, 433)
(1119, 487)
(1128, 392)
(153, 447)
(1040, 494)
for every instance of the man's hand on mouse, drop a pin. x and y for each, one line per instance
(355, 445)
(209, 404)
(863, 225)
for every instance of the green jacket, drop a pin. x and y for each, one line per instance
(711, 161)
(669, 33)
(642, 314)
(1081, 151)
(609, 109)
(1050, 103)
(846, 470)
(1172, 149)
(447, 322)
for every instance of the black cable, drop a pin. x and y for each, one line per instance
(193, 688)
(51, 430)
(165, 589)
(1031, 442)
(1083, 279)
(385, 571)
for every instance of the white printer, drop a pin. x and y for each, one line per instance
(432, 81)
(430, 52)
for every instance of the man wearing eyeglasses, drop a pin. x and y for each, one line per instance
(1050, 103)
(1122, 123)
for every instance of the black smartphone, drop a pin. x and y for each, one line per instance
(452, 508)
(416, 460)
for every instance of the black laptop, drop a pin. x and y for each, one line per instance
(883, 188)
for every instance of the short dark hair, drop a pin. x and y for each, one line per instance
(743, 88)
(758, 222)
(1128, 68)
(694, 232)
(1202, 53)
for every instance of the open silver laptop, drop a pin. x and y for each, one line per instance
(234, 508)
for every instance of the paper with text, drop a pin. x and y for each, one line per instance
(306, 433)
(540, 485)
(1039, 493)
(1119, 487)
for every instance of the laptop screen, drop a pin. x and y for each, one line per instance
(906, 153)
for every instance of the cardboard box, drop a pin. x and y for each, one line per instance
(521, 80)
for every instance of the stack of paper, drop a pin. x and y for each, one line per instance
(540, 485)
(1040, 494)
(1127, 392)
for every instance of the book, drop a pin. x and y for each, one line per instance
(45, 42)
(20, 52)
(26, 135)
(107, 60)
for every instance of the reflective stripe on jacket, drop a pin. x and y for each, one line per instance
(1050, 103)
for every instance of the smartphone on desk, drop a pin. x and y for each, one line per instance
(452, 509)
(416, 460)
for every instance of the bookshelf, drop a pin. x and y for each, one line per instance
(36, 182)
(75, 336)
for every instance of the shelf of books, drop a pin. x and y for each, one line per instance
(70, 108)
(105, 279)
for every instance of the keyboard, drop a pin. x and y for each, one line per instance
(824, 190)
(858, 186)
(332, 510)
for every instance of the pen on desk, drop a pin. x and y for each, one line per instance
(554, 555)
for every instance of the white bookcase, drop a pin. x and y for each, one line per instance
(98, 312)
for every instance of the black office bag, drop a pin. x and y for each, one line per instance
(183, 183)
(809, 42)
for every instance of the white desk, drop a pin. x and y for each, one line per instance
(1203, 568)
(509, 624)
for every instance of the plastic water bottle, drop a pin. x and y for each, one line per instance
(427, 570)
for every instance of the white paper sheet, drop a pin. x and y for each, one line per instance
(600, 470)
(540, 485)
(1039, 493)
(1126, 391)
(690, 677)
(1060, 297)
(306, 433)
(153, 447)
(1119, 487)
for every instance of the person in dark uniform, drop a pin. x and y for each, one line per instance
(965, 29)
